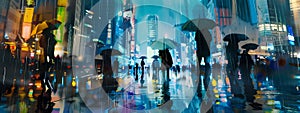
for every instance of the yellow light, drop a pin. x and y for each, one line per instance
(217, 96)
(73, 83)
(215, 90)
(62, 3)
(30, 2)
(214, 82)
(30, 93)
(28, 15)
(26, 30)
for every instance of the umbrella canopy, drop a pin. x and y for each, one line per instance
(198, 24)
(53, 24)
(155, 56)
(250, 46)
(111, 51)
(163, 44)
(99, 57)
(235, 37)
(143, 57)
(39, 28)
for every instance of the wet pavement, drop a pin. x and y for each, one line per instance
(153, 96)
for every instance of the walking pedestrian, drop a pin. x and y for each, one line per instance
(136, 68)
(143, 71)
(203, 39)
(155, 68)
(246, 64)
(167, 62)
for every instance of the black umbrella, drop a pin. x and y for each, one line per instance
(235, 37)
(155, 56)
(197, 24)
(250, 46)
(53, 24)
(109, 50)
(143, 57)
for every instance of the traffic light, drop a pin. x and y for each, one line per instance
(30, 3)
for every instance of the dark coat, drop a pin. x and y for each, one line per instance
(166, 58)
(48, 42)
(246, 62)
(202, 42)
(232, 55)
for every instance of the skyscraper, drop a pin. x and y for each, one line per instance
(294, 5)
(13, 19)
(274, 17)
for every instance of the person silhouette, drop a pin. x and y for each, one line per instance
(203, 39)
(143, 70)
(136, 68)
(245, 66)
(166, 60)
(155, 67)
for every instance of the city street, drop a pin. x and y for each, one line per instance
(132, 97)
(149, 56)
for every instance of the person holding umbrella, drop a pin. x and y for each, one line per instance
(155, 67)
(245, 66)
(109, 83)
(203, 51)
(166, 60)
(232, 69)
(47, 42)
(163, 45)
(203, 38)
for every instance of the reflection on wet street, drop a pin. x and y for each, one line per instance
(176, 96)
(149, 56)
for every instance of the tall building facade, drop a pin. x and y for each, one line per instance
(295, 12)
(274, 18)
(10, 16)
(235, 16)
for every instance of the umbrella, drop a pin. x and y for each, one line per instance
(53, 24)
(111, 51)
(143, 57)
(250, 46)
(197, 24)
(163, 44)
(155, 56)
(39, 28)
(235, 37)
(99, 57)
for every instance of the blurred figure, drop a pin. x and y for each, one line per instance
(246, 64)
(136, 68)
(232, 68)
(155, 68)
(44, 104)
(131, 66)
(143, 71)
(177, 69)
(116, 67)
(8, 70)
(23, 106)
(167, 62)
(203, 51)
